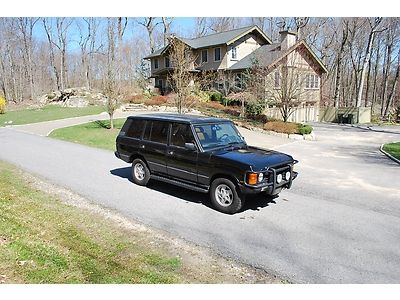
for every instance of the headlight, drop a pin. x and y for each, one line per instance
(260, 177)
(287, 175)
(279, 178)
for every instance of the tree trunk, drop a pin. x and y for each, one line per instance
(392, 92)
(385, 76)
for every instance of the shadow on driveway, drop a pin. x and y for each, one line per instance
(253, 202)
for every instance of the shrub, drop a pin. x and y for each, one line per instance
(259, 118)
(157, 100)
(232, 112)
(216, 96)
(282, 127)
(304, 129)
(231, 102)
(214, 105)
(255, 108)
(2, 105)
(136, 99)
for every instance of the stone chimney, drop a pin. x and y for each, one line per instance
(288, 39)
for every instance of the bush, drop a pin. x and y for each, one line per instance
(232, 112)
(136, 99)
(214, 105)
(259, 118)
(157, 100)
(254, 108)
(304, 129)
(231, 102)
(216, 96)
(2, 105)
(282, 127)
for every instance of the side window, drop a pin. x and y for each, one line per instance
(181, 134)
(135, 129)
(156, 131)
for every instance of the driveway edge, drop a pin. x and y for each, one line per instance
(388, 155)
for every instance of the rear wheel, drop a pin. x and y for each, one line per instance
(224, 196)
(140, 172)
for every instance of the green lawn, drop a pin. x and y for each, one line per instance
(43, 240)
(47, 113)
(94, 134)
(393, 149)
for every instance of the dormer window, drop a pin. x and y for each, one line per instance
(277, 80)
(156, 63)
(234, 53)
(167, 62)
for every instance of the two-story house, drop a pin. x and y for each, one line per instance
(234, 52)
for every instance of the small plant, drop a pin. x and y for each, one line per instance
(2, 105)
(254, 108)
(304, 129)
(216, 96)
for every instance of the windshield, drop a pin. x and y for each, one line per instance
(217, 135)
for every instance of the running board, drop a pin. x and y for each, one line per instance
(181, 184)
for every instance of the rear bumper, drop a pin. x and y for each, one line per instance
(125, 158)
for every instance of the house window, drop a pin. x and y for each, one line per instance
(234, 53)
(167, 62)
(160, 83)
(277, 80)
(312, 81)
(217, 54)
(204, 56)
(156, 63)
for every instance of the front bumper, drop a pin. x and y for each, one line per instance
(271, 187)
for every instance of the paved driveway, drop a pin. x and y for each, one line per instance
(339, 223)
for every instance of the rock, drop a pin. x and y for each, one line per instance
(162, 108)
(76, 101)
(309, 137)
(296, 137)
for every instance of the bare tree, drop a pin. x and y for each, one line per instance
(374, 28)
(150, 24)
(181, 79)
(167, 28)
(338, 81)
(26, 26)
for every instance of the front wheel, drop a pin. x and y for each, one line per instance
(140, 172)
(224, 196)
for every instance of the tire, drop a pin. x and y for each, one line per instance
(224, 196)
(140, 172)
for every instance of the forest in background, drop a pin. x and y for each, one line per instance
(39, 55)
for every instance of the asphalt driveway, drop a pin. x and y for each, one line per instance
(338, 224)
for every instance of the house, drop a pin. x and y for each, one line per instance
(234, 52)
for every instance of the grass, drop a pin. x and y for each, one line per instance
(47, 113)
(393, 149)
(43, 240)
(95, 134)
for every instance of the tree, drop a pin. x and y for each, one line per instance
(282, 85)
(374, 28)
(181, 78)
(167, 28)
(150, 24)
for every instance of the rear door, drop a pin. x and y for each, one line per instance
(182, 162)
(154, 145)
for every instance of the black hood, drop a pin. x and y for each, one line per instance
(257, 159)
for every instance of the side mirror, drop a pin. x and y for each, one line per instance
(190, 146)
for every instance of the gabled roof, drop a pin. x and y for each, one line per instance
(221, 38)
(268, 55)
(226, 37)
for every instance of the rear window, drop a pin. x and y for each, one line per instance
(135, 129)
(156, 131)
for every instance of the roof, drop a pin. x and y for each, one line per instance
(183, 118)
(270, 54)
(225, 37)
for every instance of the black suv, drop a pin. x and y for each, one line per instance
(203, 154)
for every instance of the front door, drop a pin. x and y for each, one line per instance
(182, 162)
